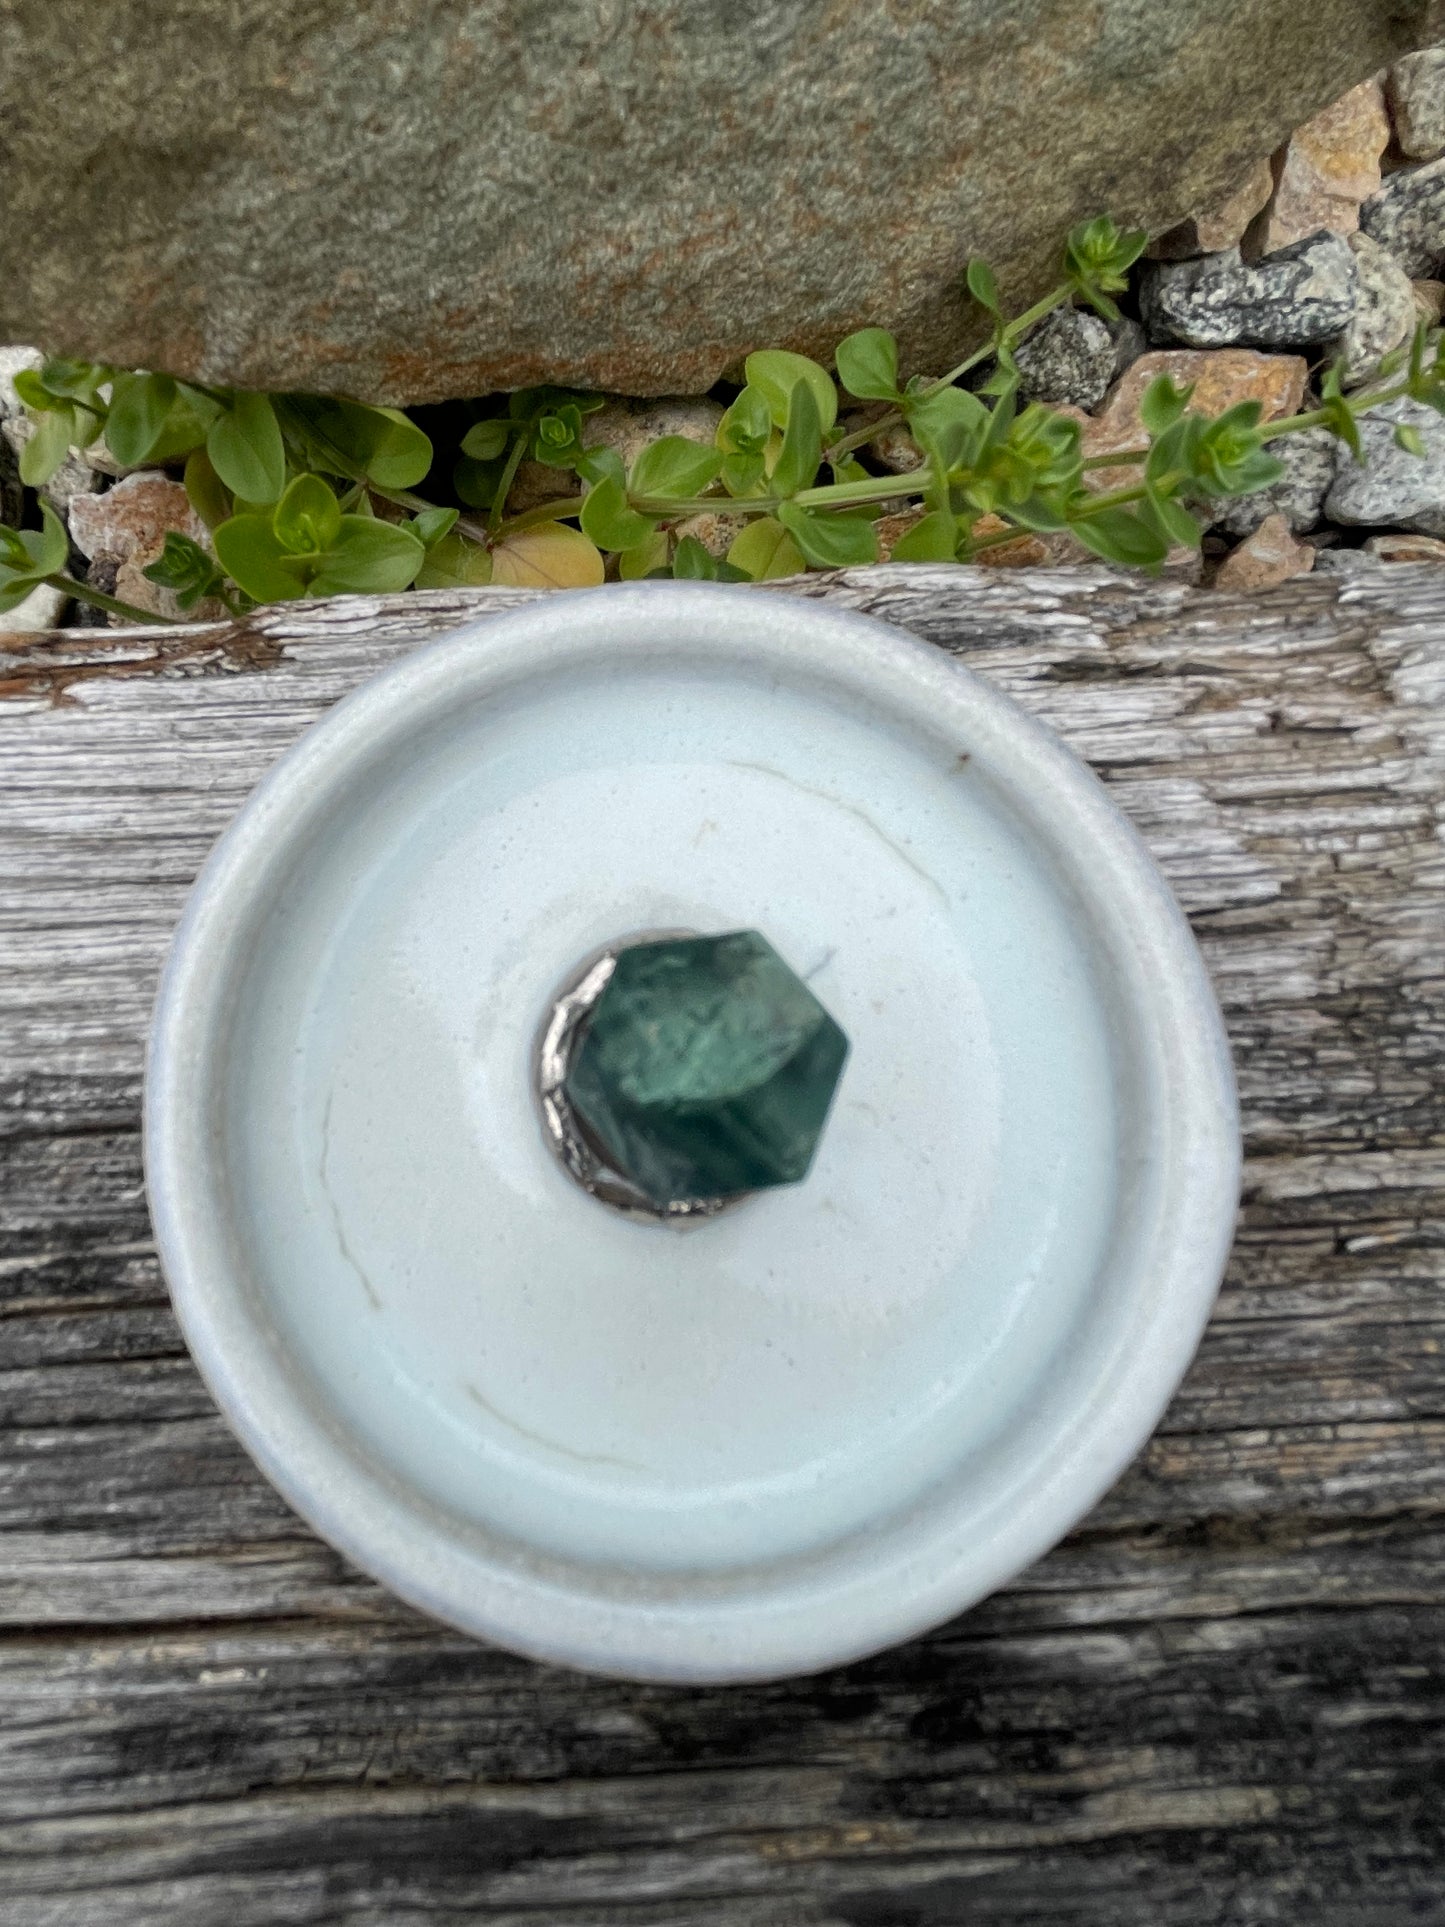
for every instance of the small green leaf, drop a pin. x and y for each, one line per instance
(557, 437)
(934, 539)
(744, 475)
(77, 381)
(14, 590)
(1410, 439)
(982, 286)
(139, 406)
(52, 547)
(249, 551)
(247, 452)
(674, 466)
(1172, 520)
(48, 447)
(950, 425)
(802, 450)
(308, 517)
(184, 568)
(637, 564)
(868, 365)
(746, 424)
(1097, 259)
(207, 493)
(187, 423)
(368, 557)
(1119, 535)
(608, 521)
(30, 556)
(400, 453)
(775, 373)
(432, 525)
(1044, 510)
(765, 552)
(1163, 404)
(1096, 262)
(33, 392)
(477, 482)
(455, 563)
(692, 563)
(602, 465)
(830, 541)
(354, 440)
(486, 441)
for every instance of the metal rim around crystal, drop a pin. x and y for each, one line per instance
(567, 1136)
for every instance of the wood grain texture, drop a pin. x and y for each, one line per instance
(1219, 1704)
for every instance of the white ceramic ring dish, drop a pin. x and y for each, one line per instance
(821, 1421)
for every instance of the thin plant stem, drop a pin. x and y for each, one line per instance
(834, 495)
(997, 539)
(1125, 458)
(556, 510)
(504, 486)
(1013, 332)
(1321, 417)
(98, 599)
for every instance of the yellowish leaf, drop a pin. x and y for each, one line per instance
(552, 556)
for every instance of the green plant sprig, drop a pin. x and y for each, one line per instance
(314, 495)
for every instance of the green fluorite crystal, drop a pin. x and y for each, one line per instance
(706, 1068)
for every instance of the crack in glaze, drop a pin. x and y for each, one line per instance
(324, 1175)
(540, 1438)
(853, 809)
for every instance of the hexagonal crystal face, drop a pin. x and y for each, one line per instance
(705, 1069)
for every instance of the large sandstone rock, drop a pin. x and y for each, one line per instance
(426, 198)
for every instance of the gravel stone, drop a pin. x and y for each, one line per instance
(716, 530)
(1407, 216)
(1130, 341)
(536, 482)
(1325, 170)
(1069, 357)
(1385, 310)
(1299, 495)
(628, 426)
(1393, 488)
(136, 514)
(1221, 226)
(1416, 92)
(1268, 557)
(1300, 296)
(895, 450)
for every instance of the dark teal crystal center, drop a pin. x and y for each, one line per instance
(705, 1069)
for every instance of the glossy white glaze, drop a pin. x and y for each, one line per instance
(814, 1423)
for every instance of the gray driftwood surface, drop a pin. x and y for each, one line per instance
(1220, 1703)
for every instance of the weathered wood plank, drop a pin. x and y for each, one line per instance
(1219, 1704)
